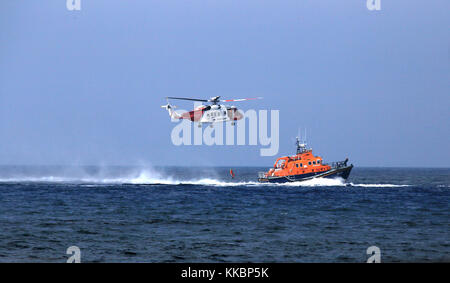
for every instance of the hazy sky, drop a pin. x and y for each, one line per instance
(85, 87)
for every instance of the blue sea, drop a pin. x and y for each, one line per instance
(188, 214)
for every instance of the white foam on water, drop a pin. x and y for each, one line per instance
(144, 176)
(148, 178)
(443, 186)
(214, 182)
(151, 177)
(377, 185)
(45, 179)
(145, 179)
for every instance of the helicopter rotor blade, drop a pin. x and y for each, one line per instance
(191, 99)
(240, 99)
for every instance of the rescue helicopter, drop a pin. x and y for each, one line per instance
(213, 113)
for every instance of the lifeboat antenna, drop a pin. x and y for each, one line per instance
(301, 144)
(305, 136)
(305, 141)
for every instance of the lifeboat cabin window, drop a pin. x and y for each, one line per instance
(301, 164)
(314, 162)
(318, 161)
(309, 163)
(280, 164)
(296, 165)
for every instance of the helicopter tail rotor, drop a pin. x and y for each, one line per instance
(169, 109)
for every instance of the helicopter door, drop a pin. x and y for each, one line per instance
(223, 113)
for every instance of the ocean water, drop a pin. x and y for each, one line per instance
(125, 214)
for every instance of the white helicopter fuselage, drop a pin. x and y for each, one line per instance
(217, 113)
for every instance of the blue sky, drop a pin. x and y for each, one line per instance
(84, 87)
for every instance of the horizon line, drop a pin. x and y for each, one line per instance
(208, 166)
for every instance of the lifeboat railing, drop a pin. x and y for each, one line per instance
(338, 164)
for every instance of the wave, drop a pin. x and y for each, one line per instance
(144, 177)
(378, 185)
(151, 177)
(308, 183)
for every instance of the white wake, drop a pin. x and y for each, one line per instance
(377, 185)
(151, 177)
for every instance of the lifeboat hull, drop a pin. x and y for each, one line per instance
(342, 172)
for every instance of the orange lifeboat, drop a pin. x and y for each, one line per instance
(304, 166)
